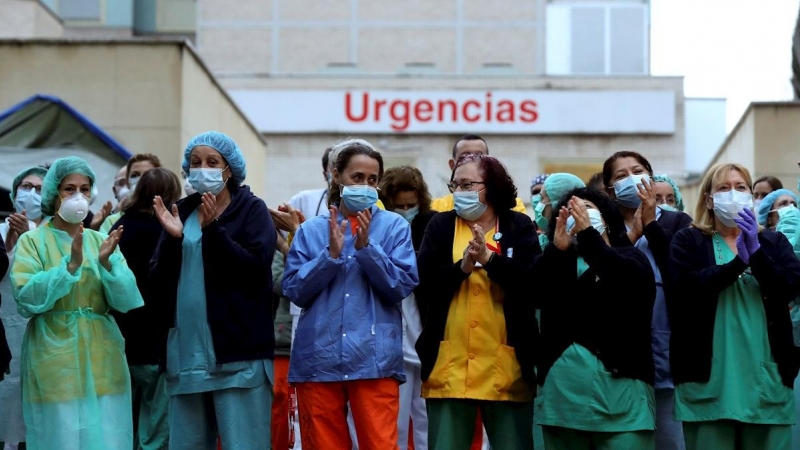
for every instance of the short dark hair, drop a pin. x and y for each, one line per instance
(352, 148)
(469, 137)
(501, 193)
(401, 179)
(596, 181)
(325, 158)
(608, 166)
(139, 157)
(159, 181)
(617, 233)
(774, 183)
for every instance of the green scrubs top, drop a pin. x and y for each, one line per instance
(745, 384)
(579, 393)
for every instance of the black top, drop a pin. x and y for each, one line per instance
(238, 249)
(5, 353)
(608, 310)
(698, 283)
(144, 329)
(418, 226)
(440, 279)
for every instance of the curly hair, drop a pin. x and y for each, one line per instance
(401, 179)
(615, 224)
(501, 193)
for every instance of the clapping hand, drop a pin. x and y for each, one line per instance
(581, 215)
(647, 194)
(747, 240)
(362, 231)
(169, 220)
(336, 233)
(76, 252)
(108, 246)
(561, 239)
(101, 215)
(286, 218)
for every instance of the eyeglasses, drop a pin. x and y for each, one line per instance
(28, 187)
(464, 185)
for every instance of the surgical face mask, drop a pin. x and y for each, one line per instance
(535, 200)
(468, 205)
(538, 215)
(74, 209)
(595, 218)
(207, 180)
(409, 213)
(123, 193)
(757, 203)
(728, 205)
(132, 182)
(359, 197)
(627, 192)
(188, 187)
(667, 207)
(30, 202)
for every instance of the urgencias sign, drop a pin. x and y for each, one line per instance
(455, 112)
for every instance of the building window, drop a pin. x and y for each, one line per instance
(597, 38)
(79, 9)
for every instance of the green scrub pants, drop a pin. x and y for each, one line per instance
(558, 438)
(451, 424)
(150, 408)
(732, 435)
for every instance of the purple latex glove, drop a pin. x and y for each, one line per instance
(749, 226)
(741, 246)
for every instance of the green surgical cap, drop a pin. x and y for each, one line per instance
(558, 184)
(60, 169)
(226, 147)
(36, 170)
(678, 196)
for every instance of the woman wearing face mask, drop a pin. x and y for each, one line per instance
(650, 228)
(596, 367)
(403, 190)
(477, 348)
(778, 211)
(668, 195)
(763, 187)
(145, 329)
(212, 264)
(536, 197)
(553, 188)
(732, 352)
(349, 272)
(75, 383)
(26, 194)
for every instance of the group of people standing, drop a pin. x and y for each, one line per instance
(611, 320)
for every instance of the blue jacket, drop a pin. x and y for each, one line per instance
(350, 327)
(237, 256)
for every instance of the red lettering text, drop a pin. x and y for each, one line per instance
(529, 113)
(465, 112)
(364, 108)
(423, 107)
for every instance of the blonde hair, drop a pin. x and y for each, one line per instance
(704, 219)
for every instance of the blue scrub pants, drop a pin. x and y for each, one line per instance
(241, 417)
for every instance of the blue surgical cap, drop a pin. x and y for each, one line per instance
(678, 196)
(769, 201)
(539, 179)
(60, 169)
(225, 146)
(36, 170)
(558, 184)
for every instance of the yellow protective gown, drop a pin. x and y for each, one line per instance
(75, 379)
